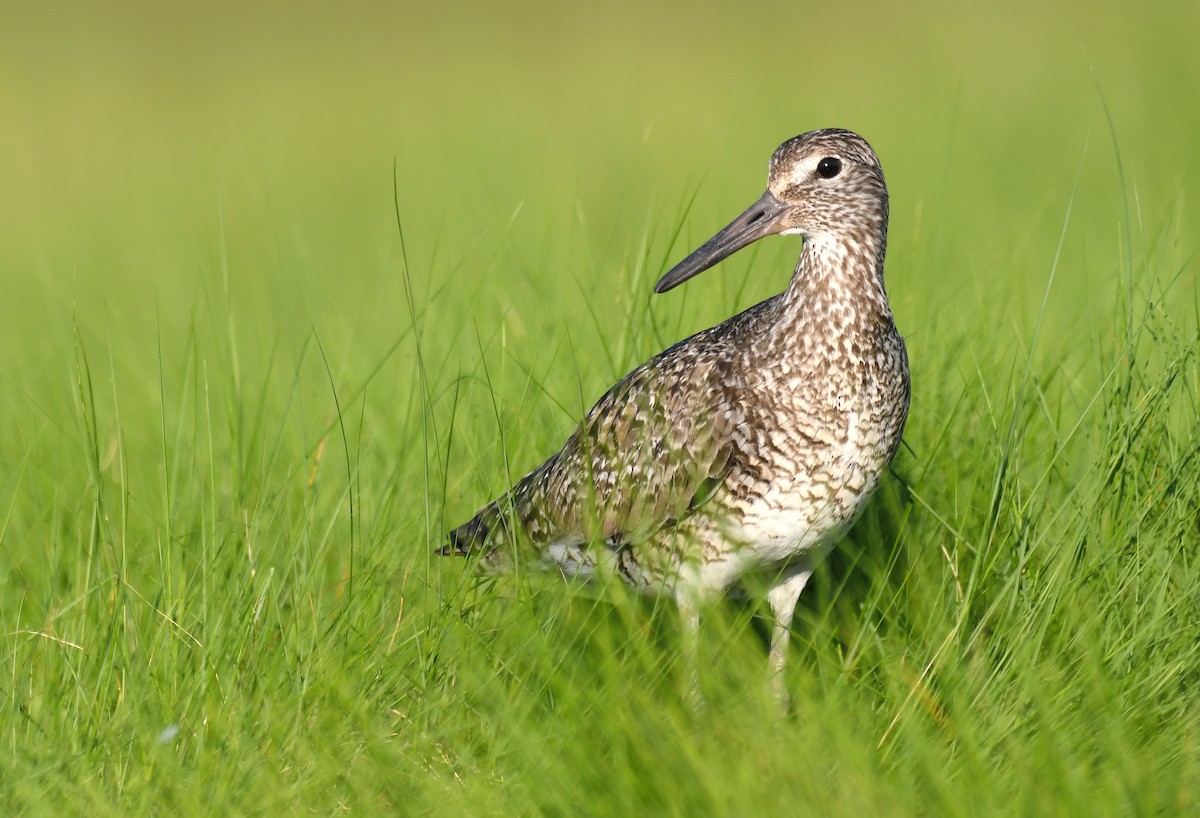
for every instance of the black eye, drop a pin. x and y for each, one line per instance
(829, 167)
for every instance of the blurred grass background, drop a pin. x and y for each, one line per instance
(229, 449)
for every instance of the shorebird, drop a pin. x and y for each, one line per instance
(750, 446)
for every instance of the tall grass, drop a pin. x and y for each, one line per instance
(289, 291)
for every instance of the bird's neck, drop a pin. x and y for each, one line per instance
(837, 288)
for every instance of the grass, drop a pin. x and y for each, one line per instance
(240, 411)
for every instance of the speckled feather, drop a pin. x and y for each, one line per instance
(747, 445)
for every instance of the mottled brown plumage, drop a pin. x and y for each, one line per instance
(750, 445)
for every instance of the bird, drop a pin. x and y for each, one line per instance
(749, 447)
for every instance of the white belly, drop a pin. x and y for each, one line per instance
(815, 506)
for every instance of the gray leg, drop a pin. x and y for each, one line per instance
(689, 618)
(783, 598)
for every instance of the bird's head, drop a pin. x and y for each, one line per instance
(821, 183)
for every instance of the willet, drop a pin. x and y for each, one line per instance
(749, 446)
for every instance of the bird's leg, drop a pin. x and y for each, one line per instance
(782, 598)
(689, 620)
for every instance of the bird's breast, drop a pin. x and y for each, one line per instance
(811, 451)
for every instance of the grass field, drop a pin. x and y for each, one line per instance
(289, 290)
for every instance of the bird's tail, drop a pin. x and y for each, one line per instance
(479, 535)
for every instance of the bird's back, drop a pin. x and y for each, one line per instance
(647, 455)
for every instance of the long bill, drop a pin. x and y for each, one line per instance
(763, 218)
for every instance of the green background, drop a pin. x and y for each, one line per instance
(240, 409)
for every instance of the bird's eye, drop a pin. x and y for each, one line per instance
(829, 167)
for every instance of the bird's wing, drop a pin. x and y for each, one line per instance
(648, 452)
(651, 450)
